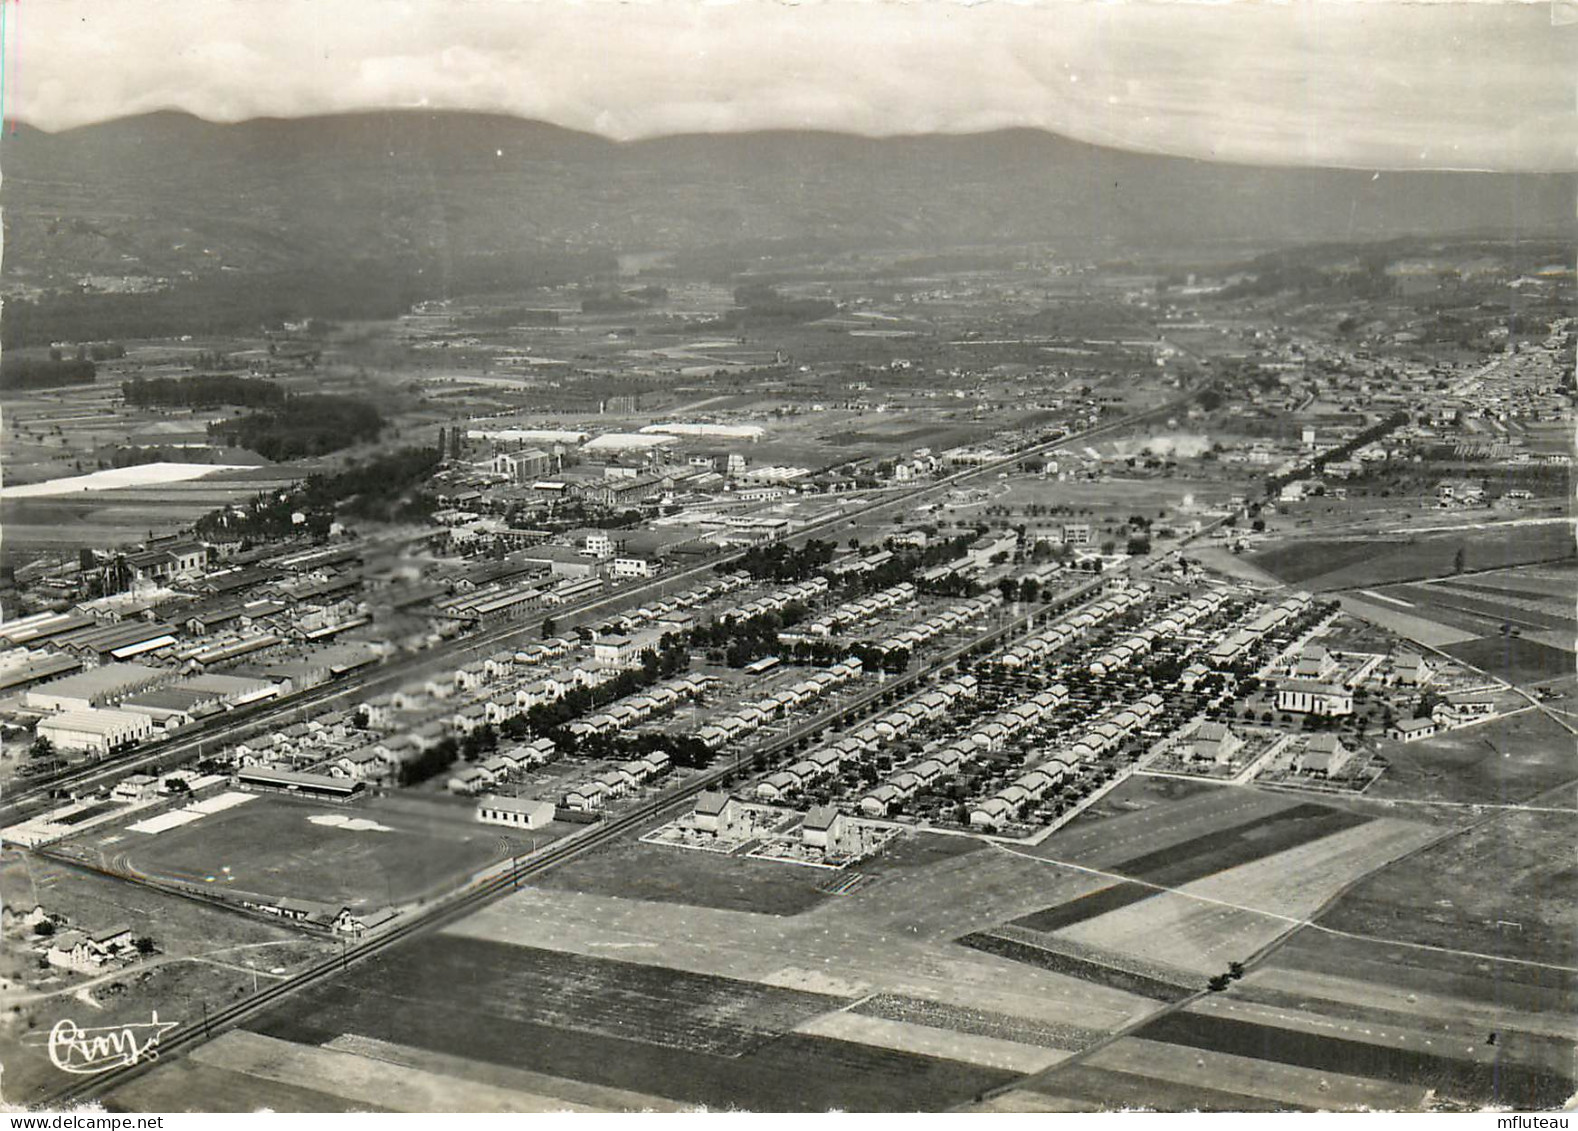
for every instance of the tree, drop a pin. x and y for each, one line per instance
(144, 945)
(42, 748)
(549, 627)
(1458, 560)
(44, 928)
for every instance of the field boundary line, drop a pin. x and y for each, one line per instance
(1294, 922)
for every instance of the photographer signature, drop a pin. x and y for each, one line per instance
(88, 1051)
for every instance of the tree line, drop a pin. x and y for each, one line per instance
(202, 391)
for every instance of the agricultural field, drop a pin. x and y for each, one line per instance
(644, 1029)
(1153, 815)
(1506, 887)
(1227, 894)
(1517, 625)
(121, 515)
(1337, 1023)
(562, 997)
(365, 855)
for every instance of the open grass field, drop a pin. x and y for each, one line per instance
(636, 870)
(1515, 659)
(1508, 887)
(1131, 496)
(1149, 814)
(278, 847)
(1503, 762)
(1326, 564)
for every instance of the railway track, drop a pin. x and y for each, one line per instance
(482, 892)
(36, 797)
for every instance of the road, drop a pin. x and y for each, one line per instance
(33, 797)
(507, 880)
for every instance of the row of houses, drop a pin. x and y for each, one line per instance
(824, 762)
(503, 765)
(637, 708)
(1034, 648)
(852, 613)
(595, 792)
(506, 685)
(1164, 627)
(1226, 651)
(752, 716)
(936, 766)
(945, 620)
(1031, 785)
(777, 600)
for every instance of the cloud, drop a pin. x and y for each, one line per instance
(1385, 83)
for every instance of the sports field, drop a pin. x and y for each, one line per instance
(276, 847)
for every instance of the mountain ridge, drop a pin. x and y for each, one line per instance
(170, 194)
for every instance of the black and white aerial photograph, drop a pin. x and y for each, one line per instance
(762, 556)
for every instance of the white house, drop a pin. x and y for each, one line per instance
(514, 812)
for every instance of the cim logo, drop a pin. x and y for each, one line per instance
(87, 1052)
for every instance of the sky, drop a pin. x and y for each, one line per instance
(1383, 84)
